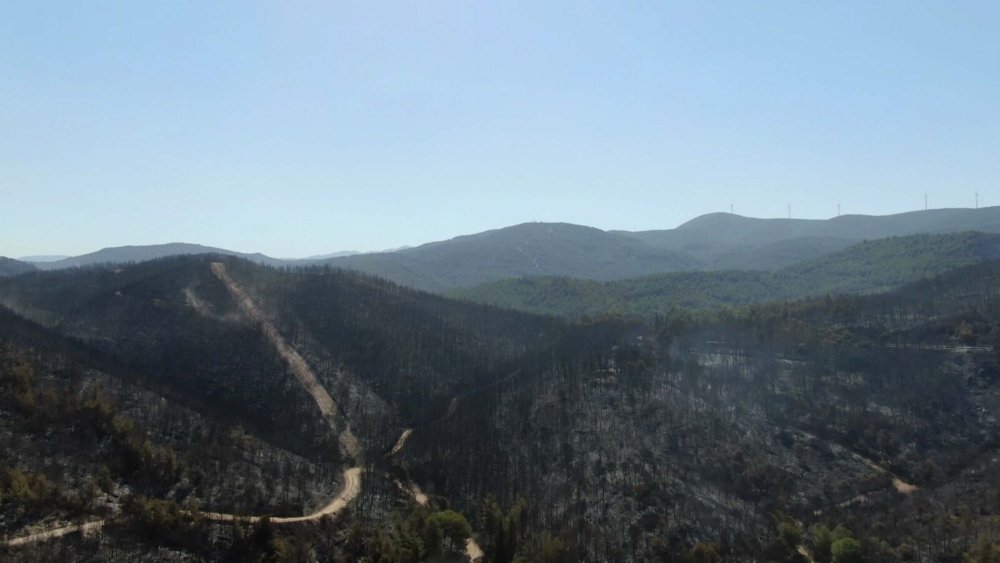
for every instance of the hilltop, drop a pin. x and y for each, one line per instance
(11, 267)
(728, 241)
(125, 254)
(530, 249)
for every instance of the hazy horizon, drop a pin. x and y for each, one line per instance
(303, 129)
(346, 252)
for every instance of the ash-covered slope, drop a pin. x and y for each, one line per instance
(754, 432)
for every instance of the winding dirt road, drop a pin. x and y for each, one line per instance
(352, 487)
(303, 373)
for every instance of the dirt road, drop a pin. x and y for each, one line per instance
(400, 442)
(473, 551)
(411, 488)
(303, 373)
(84, 528)
(352, 487)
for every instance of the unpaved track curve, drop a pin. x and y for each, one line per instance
(352, 487)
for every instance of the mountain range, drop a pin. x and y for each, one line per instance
(721, 234)
(717, 241)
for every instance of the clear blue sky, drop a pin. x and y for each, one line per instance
(301, 127)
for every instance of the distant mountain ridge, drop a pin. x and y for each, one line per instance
(725, 240)
(123, 254)
(717, 241)
(43, 258)
(327, 256)
(11, 267)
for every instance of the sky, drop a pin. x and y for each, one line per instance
(304, 127)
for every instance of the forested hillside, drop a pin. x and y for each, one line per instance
(11, 267)
(840, 425)
(867, 267)
(521, 250)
